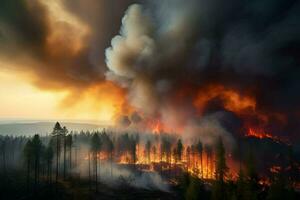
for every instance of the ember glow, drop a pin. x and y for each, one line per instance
(156, 158)
(259, 133)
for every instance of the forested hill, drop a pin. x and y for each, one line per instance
(42, 128)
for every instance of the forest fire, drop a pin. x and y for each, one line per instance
(258, 133)
(178, 99)
(156, 126)
(163, 156)
(231, 99)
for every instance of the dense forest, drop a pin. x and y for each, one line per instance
(111, 165)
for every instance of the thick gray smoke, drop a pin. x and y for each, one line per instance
(247, 46)
(143, 59)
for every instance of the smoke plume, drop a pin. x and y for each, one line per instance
(173, 63)
(171, 55)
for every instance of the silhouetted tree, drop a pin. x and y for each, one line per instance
(241, 185)
(56, 134)
(148, 150)
(64, 136)
(95, 148)
(111, 151)
(208, 150)
(69, 145)
(3, 153)
(188, 157)
(252, 186)
(28, 155)
(49, 154)
(200, 152)
(219, 187)
(154, 152)
(132, 149)
(89, 157)
(179, 150)
(36, 146)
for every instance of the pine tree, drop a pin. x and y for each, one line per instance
(148, 150)
(49, 159)
(64, 135)
(188, 157)
(111, 151)
(179, 150)
(56, 134)
(95, 148)
(69, 145)
(241, 185)
(219, 187)
(36, 147)
(28, 154)
(252, 186)
(208, 150)
(200, 151)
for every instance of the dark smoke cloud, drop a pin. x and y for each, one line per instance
(33, 42)
(249, 46)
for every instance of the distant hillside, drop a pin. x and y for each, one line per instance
(42, 128)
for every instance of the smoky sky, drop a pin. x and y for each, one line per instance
(251, 46)
(25, 28)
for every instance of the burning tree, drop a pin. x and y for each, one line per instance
(219, 188)
(200, 152)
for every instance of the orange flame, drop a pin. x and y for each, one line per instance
(258, 133)
(232, 100)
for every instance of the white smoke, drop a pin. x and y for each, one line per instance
(115, 175)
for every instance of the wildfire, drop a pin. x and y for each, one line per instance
(257, 133)
(156, 126)
(232, 100)
(199, 165)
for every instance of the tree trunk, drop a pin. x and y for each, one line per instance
(201, 162)
(50, 172)
(96, 177)
(207, 165)
(28, 174)
(65, 154)
(70, 157)
(89, 172)
(57, 159)
(75, 156)
(111, 164)
(4, 159)
(35, 173)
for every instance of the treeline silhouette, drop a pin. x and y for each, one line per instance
(43, 164)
